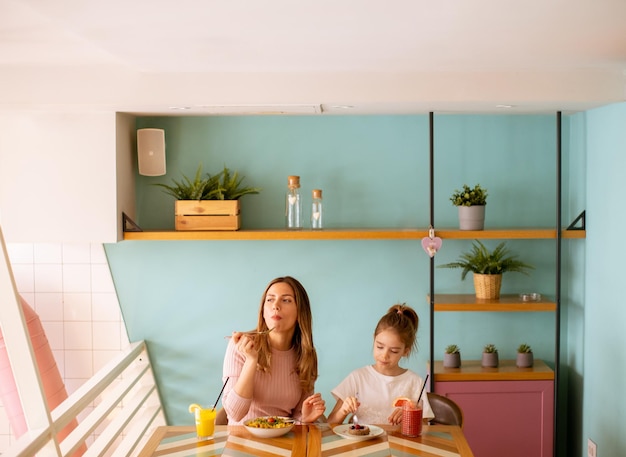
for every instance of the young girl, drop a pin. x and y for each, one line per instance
(371, 390)
(273, 374)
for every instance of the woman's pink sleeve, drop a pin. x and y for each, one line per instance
(235, 406)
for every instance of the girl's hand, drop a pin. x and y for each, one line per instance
(313, 408)
(396, 417)
(245, 345)
(349, 405)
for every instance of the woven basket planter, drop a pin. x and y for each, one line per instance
(487, 286)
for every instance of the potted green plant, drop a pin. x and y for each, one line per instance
(490, 356)
(471, 204)
(452, 356)
(488, 267)
(208, 202)
(525, 357)
(225, 185)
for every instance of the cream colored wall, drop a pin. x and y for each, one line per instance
(378, 92)
(60, 198)
(58, 177)
(70, 287)
(125, 165)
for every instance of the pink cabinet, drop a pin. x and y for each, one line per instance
(512, 418)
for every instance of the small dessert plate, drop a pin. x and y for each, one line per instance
(343, 431)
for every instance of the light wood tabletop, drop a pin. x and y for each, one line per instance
(233, 440)
(435, 440)
(306, 441)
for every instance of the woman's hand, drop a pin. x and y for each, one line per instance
(396, 417)
(245, 345)
(313, 407)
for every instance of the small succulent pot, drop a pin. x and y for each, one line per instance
(452, 360)
(490, 359)
(524, 360)
(472, 217)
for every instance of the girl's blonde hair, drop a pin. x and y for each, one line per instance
(404, 321)
(302, 342)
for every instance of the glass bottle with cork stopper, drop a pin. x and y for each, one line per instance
(316, 210)
(293, 204)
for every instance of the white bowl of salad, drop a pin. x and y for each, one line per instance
(269, 426)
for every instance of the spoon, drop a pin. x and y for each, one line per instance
(355, 419)
(264, 332)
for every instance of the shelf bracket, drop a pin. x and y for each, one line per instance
(581, 219)
(128, 225)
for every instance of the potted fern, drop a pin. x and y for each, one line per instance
(488, 267)
(471, 204)
(452, 356)
(208, 202)
(490, 356)
(525, 357)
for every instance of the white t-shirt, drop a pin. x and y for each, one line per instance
(377, 393)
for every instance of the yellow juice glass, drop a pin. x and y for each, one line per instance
(205, 423)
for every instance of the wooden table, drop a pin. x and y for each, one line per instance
(436, 440)
(227, 441)
(306, 441)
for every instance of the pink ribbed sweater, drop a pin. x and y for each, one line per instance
(276, 393)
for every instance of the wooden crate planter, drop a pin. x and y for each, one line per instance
(207, 215)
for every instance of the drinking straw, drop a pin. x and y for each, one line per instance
(421, 391)
(220, 394)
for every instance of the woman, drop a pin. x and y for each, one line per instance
(273, 374)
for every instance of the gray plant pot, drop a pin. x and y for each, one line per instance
(490, 359)
(524, 360)
(452, 360)
(472, 217)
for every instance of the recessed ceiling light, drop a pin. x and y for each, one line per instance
(179, 107)
(504, 106)
(343, 106)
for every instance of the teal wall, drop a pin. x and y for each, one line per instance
(183, 297)
(604, 404)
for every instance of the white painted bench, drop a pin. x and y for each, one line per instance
(115, 409)
(127, 407)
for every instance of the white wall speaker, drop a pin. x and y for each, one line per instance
(151, 152)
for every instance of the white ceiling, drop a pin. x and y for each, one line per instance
(148, 56)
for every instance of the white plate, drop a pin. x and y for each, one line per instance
(342, 430)
(269, 432)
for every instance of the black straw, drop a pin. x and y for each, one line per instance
(421, 392)
(220, 394)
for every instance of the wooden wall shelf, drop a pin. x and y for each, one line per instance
(508, 233)
(471, 370)
(282, 234)
(350, 234)
(507, 303)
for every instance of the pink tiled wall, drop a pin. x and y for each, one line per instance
(70, 287)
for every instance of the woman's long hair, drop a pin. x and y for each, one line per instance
(302, 342)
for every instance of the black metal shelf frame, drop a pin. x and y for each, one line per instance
(557, 275)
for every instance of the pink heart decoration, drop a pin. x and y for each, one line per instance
(431, 245)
